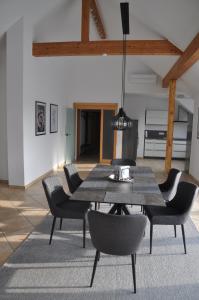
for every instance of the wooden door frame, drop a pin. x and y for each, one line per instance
(78, 106)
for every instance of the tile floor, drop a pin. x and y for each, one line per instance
(21, 210)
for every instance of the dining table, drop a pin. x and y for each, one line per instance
(142, 188)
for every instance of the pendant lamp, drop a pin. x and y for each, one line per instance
(121, 121)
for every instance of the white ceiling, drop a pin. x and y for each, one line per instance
(60, 20)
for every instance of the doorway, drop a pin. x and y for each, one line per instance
(89, 135)
(95, 138)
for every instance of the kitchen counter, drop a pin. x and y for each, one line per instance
(157, 148)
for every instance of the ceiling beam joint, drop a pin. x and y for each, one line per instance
(189, 57)
(85, 28)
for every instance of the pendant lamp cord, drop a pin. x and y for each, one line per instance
(123, 70)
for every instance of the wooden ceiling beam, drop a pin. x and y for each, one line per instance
(134, 47)
(85, 20)
(97, 19)
(188, 58)
(170, 124)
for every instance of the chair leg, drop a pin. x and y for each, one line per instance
(60, 225)
(95, 205)
(175, 234)
(183, 236)
(151, 237)
(84, 233)
(94, 267)
(133, 271)
(52, 230)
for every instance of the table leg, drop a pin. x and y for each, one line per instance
(119, 209)
(125, 210)
(113, 209)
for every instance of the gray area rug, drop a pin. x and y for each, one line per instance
(63, 270)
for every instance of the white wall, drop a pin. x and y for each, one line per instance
(3, 127)
(14, 80)
(187, 103)
(44, 80)
(135, 107)
(64, 81)
(194, 161)
(28, 80)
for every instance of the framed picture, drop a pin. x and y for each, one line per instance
(198, 126)
(53, 118)
(40, 118)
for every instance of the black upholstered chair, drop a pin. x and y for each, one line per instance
(169, 187)
(72, 177)
(176, 211)
(123, 162)
(61, 206)
(116, 235)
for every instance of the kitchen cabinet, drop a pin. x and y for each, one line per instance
(157, 148)
(156, 117)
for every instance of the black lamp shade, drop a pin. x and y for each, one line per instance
(121, 121)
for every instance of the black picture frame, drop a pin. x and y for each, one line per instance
(40, 118)
(53, 118)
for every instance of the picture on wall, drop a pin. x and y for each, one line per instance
(53, 118)
(40, 118)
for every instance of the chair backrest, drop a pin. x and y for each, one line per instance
(123, 162)
(170, 185)
(184, 198)
(72, 177)
(50, 185)
(114, 234)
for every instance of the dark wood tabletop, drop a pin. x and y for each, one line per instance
(98, 187)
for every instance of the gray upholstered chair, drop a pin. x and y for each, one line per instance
(176, 211)
(169, 187)
(72, 177)
(116, 235)
(123, 162)
(61, 206)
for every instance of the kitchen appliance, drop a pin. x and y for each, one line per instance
(155, 134)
